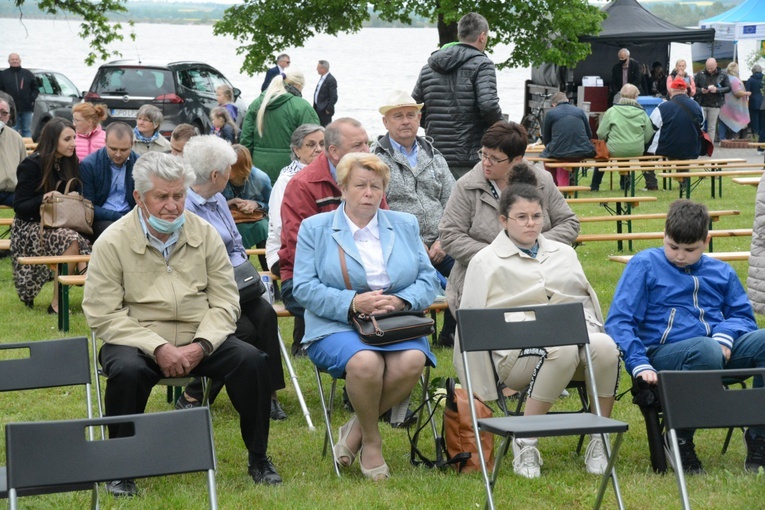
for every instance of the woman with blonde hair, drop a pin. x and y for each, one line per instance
(734, 113)
(363, 259)
(680, 70)
(271, 120)
(87, 119)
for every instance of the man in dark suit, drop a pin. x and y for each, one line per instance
(282, 63)
(325, 96)
(627, 70)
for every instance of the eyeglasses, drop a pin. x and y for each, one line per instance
(491, 159)
(523, 219)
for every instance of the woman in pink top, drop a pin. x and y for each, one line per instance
(87, 119)
(680, 70)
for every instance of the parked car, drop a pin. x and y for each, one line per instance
(184, 91)
(57, 96)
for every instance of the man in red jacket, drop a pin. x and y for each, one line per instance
(312, 191)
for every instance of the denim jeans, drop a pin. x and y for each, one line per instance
(24, 123)
(704, 353)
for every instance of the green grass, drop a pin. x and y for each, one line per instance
(309, 480)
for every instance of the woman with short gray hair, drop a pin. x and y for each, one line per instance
(146, 131)
(210, 159)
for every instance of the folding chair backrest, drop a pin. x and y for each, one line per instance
(50, 363)
(522, 327)
(699, 399)
(57, 453)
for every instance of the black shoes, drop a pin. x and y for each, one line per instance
(691, 463)
(122, 488)
(277, 413)
(445, 339)
(262, 470)
(755, 452)
(183, 403)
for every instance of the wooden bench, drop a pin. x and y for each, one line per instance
(575, 166)
(5, 244)
(687, 185)
(728, 256)
(643, 236)
(630, 202)
(566, 191)
(627, 219)
(747, 181)
(60, 264)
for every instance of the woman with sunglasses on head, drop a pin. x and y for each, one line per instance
(471, 218)
(523, 267)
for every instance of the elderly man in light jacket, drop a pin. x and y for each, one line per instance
(160, 293)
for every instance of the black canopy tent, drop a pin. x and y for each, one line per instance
(630, 26)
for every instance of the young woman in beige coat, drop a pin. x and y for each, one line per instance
(522, 267)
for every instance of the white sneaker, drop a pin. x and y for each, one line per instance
(527, 459)
(595, 459)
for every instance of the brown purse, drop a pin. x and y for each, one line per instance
(601, 149)
(459, 435)
(240, 217)
(67, 210)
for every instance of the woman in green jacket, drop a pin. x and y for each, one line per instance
(626, 129)
(271, 120)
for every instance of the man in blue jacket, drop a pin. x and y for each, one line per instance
(107, 177)
(675, 309)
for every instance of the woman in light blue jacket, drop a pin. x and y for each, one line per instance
(388, 270)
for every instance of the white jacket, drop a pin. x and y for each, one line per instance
(501, 276)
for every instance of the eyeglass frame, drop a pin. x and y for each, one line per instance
(491, 159)
(536, 219)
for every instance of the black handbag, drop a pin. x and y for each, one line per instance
(248, 282)
(387, 328)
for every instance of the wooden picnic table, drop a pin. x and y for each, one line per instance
(535, 148)
(732, 170)
(747, 181)
(629, 202)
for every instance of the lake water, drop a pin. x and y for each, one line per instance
(367, 65)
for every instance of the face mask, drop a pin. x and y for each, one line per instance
(164, 226)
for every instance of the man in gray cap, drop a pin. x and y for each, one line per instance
(420, 181)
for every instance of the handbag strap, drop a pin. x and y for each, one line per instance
(344, 268)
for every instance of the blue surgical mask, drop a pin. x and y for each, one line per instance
(164, 226)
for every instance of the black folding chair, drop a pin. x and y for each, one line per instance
(56, 454)
(46, 364)
(535, 327)
(715, 406)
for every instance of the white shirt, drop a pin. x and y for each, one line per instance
(367, 241)
(318, 87)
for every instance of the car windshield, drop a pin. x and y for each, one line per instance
(133, 81)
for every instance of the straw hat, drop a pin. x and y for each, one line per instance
(399, 99)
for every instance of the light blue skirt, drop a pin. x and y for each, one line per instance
(333, 352)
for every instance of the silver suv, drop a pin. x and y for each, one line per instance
(184, 91)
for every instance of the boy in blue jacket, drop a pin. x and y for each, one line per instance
(676, 309)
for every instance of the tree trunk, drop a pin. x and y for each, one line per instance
(446, 32)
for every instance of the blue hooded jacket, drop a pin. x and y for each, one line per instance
(657, 302)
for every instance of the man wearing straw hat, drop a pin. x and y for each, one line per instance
(420, 181)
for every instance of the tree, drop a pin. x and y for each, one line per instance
(95, 25)
(540, 30)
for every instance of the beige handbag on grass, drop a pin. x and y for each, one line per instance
(67, 210)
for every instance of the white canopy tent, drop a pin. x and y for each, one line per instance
(745, 21)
